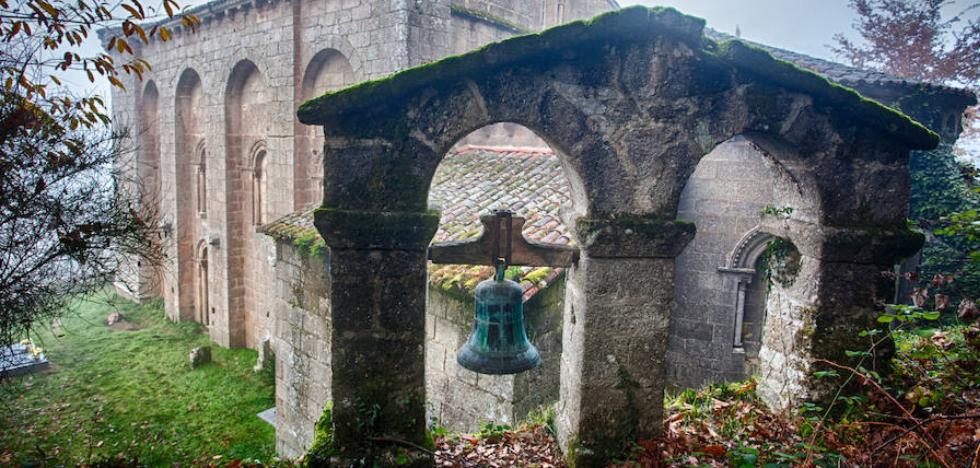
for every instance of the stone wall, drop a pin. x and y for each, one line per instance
(227, 92)
(456, 398)
(302, 342)
(724, 198)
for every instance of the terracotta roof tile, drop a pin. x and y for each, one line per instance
(471, 181)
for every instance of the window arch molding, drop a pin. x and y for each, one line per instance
(257, 168)
(201, 173)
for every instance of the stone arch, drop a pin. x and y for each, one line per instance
(148, 172)
(149, 164)
(257, 164)
(189, 134)
(495, 165)
(717, 304)
(631, 101)
(328, 70)
(247, 107)
(749, 248)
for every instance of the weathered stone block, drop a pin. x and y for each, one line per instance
(200, 356)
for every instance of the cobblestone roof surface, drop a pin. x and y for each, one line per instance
(471, 181)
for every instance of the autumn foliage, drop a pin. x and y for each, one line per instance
(64, 215)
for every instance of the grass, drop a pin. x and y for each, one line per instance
(130, 395)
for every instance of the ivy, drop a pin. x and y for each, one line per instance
(944, 205)
(781, 261)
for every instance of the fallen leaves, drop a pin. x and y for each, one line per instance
(530, 446)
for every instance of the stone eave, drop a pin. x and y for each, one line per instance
(629, 24)
(206, 12)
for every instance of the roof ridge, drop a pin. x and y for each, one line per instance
(501, 149)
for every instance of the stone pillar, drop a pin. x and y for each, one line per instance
(378, 284)
(617, 310)
(837, 293)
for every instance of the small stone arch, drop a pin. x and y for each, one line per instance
(258, 168)
(748, 249)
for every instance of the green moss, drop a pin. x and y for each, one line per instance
(846, 100)
(487, 18)
(310, 243)
(322, 449)
(538, 275)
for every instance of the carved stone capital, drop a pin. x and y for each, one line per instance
(633, 236)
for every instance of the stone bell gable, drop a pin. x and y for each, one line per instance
(630, 101)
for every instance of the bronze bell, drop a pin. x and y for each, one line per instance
(498, 343)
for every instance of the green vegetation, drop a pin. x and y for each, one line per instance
(129, 395)
(782, 262)
(924, 414)
(940, 190)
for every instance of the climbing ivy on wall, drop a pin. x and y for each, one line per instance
(941, 187)
(781, 261)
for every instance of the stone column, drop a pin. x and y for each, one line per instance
(617, 310)
(378, 278)
(837, 293)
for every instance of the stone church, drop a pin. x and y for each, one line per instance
(236, 178)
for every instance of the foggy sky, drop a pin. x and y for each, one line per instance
(805, 26)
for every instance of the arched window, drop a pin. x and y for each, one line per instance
(202, 181)
(259, 178)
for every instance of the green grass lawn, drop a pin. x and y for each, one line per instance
(131, 395)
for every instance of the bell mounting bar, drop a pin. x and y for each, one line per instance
(502, 238)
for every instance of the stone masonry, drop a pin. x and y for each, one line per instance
(216, 133)
(630, 101)
(744, 149)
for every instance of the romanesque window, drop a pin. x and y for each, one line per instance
(202, 182)
(259, 179)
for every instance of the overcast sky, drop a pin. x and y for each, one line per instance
(806, 26)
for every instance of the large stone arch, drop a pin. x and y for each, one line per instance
(189, 134)
(631, 101)
(149, 175)
(247, 122)
(720, 296)
(328, 70)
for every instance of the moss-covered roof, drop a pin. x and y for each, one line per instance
(471, 181)
(629, 24)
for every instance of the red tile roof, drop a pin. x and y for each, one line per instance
(474, 180)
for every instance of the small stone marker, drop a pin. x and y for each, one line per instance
(113, 318)
(200, 356)
(265, 353)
